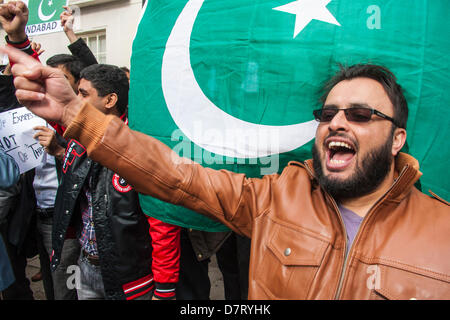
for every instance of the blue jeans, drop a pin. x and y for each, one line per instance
(91, 282)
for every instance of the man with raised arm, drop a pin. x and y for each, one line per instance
(348, 224)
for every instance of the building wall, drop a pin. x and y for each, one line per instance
(118, 18)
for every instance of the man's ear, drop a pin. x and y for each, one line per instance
(398, 140)
(111, 100)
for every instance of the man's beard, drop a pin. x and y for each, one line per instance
(373, 170)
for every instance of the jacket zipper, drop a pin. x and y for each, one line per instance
(345, 234)
(372, 209)
(344, 267)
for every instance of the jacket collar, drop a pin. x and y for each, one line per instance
(406, 170)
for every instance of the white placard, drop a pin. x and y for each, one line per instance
(16, 137)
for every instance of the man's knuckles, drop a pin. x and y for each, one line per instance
(22, 83)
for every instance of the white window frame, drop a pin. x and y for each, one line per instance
(95, 34)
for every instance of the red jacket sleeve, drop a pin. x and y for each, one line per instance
(166, 257)
(60, 129)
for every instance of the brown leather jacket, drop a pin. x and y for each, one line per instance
(402, 249)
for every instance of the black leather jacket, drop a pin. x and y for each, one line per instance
(122, 230)
(7, 93)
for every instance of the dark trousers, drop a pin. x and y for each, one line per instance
(20, 289)
(193, 283)
(233, 261)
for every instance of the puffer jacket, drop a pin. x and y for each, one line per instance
(298, 251)
(122, 230)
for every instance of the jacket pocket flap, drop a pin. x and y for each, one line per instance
(296, 248)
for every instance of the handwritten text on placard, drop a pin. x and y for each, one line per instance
(16, 137)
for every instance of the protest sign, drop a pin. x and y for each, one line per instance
(16, 137)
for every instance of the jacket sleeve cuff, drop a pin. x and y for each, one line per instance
(88, 126)
(24, 45)
(165, 291)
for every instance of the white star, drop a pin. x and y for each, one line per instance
(306, 11)
(50, 3)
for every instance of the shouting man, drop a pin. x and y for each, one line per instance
(348, 224)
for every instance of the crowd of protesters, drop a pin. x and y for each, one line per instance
(84, 219)
(347, 224)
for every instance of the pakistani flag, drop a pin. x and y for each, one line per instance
(232, 84)
(44, 16)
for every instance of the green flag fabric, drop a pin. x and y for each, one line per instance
(232, 84)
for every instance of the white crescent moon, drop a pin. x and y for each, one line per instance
(41, 15)
(204, 123)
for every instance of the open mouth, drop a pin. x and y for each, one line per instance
(339, 154)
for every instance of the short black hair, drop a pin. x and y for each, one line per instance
(108, 79)
(71, 63)
(380, 74)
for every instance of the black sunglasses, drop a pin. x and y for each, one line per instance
(354, 114)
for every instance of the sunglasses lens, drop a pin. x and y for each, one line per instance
(358, 114)
(325, 115)
(352, 114)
